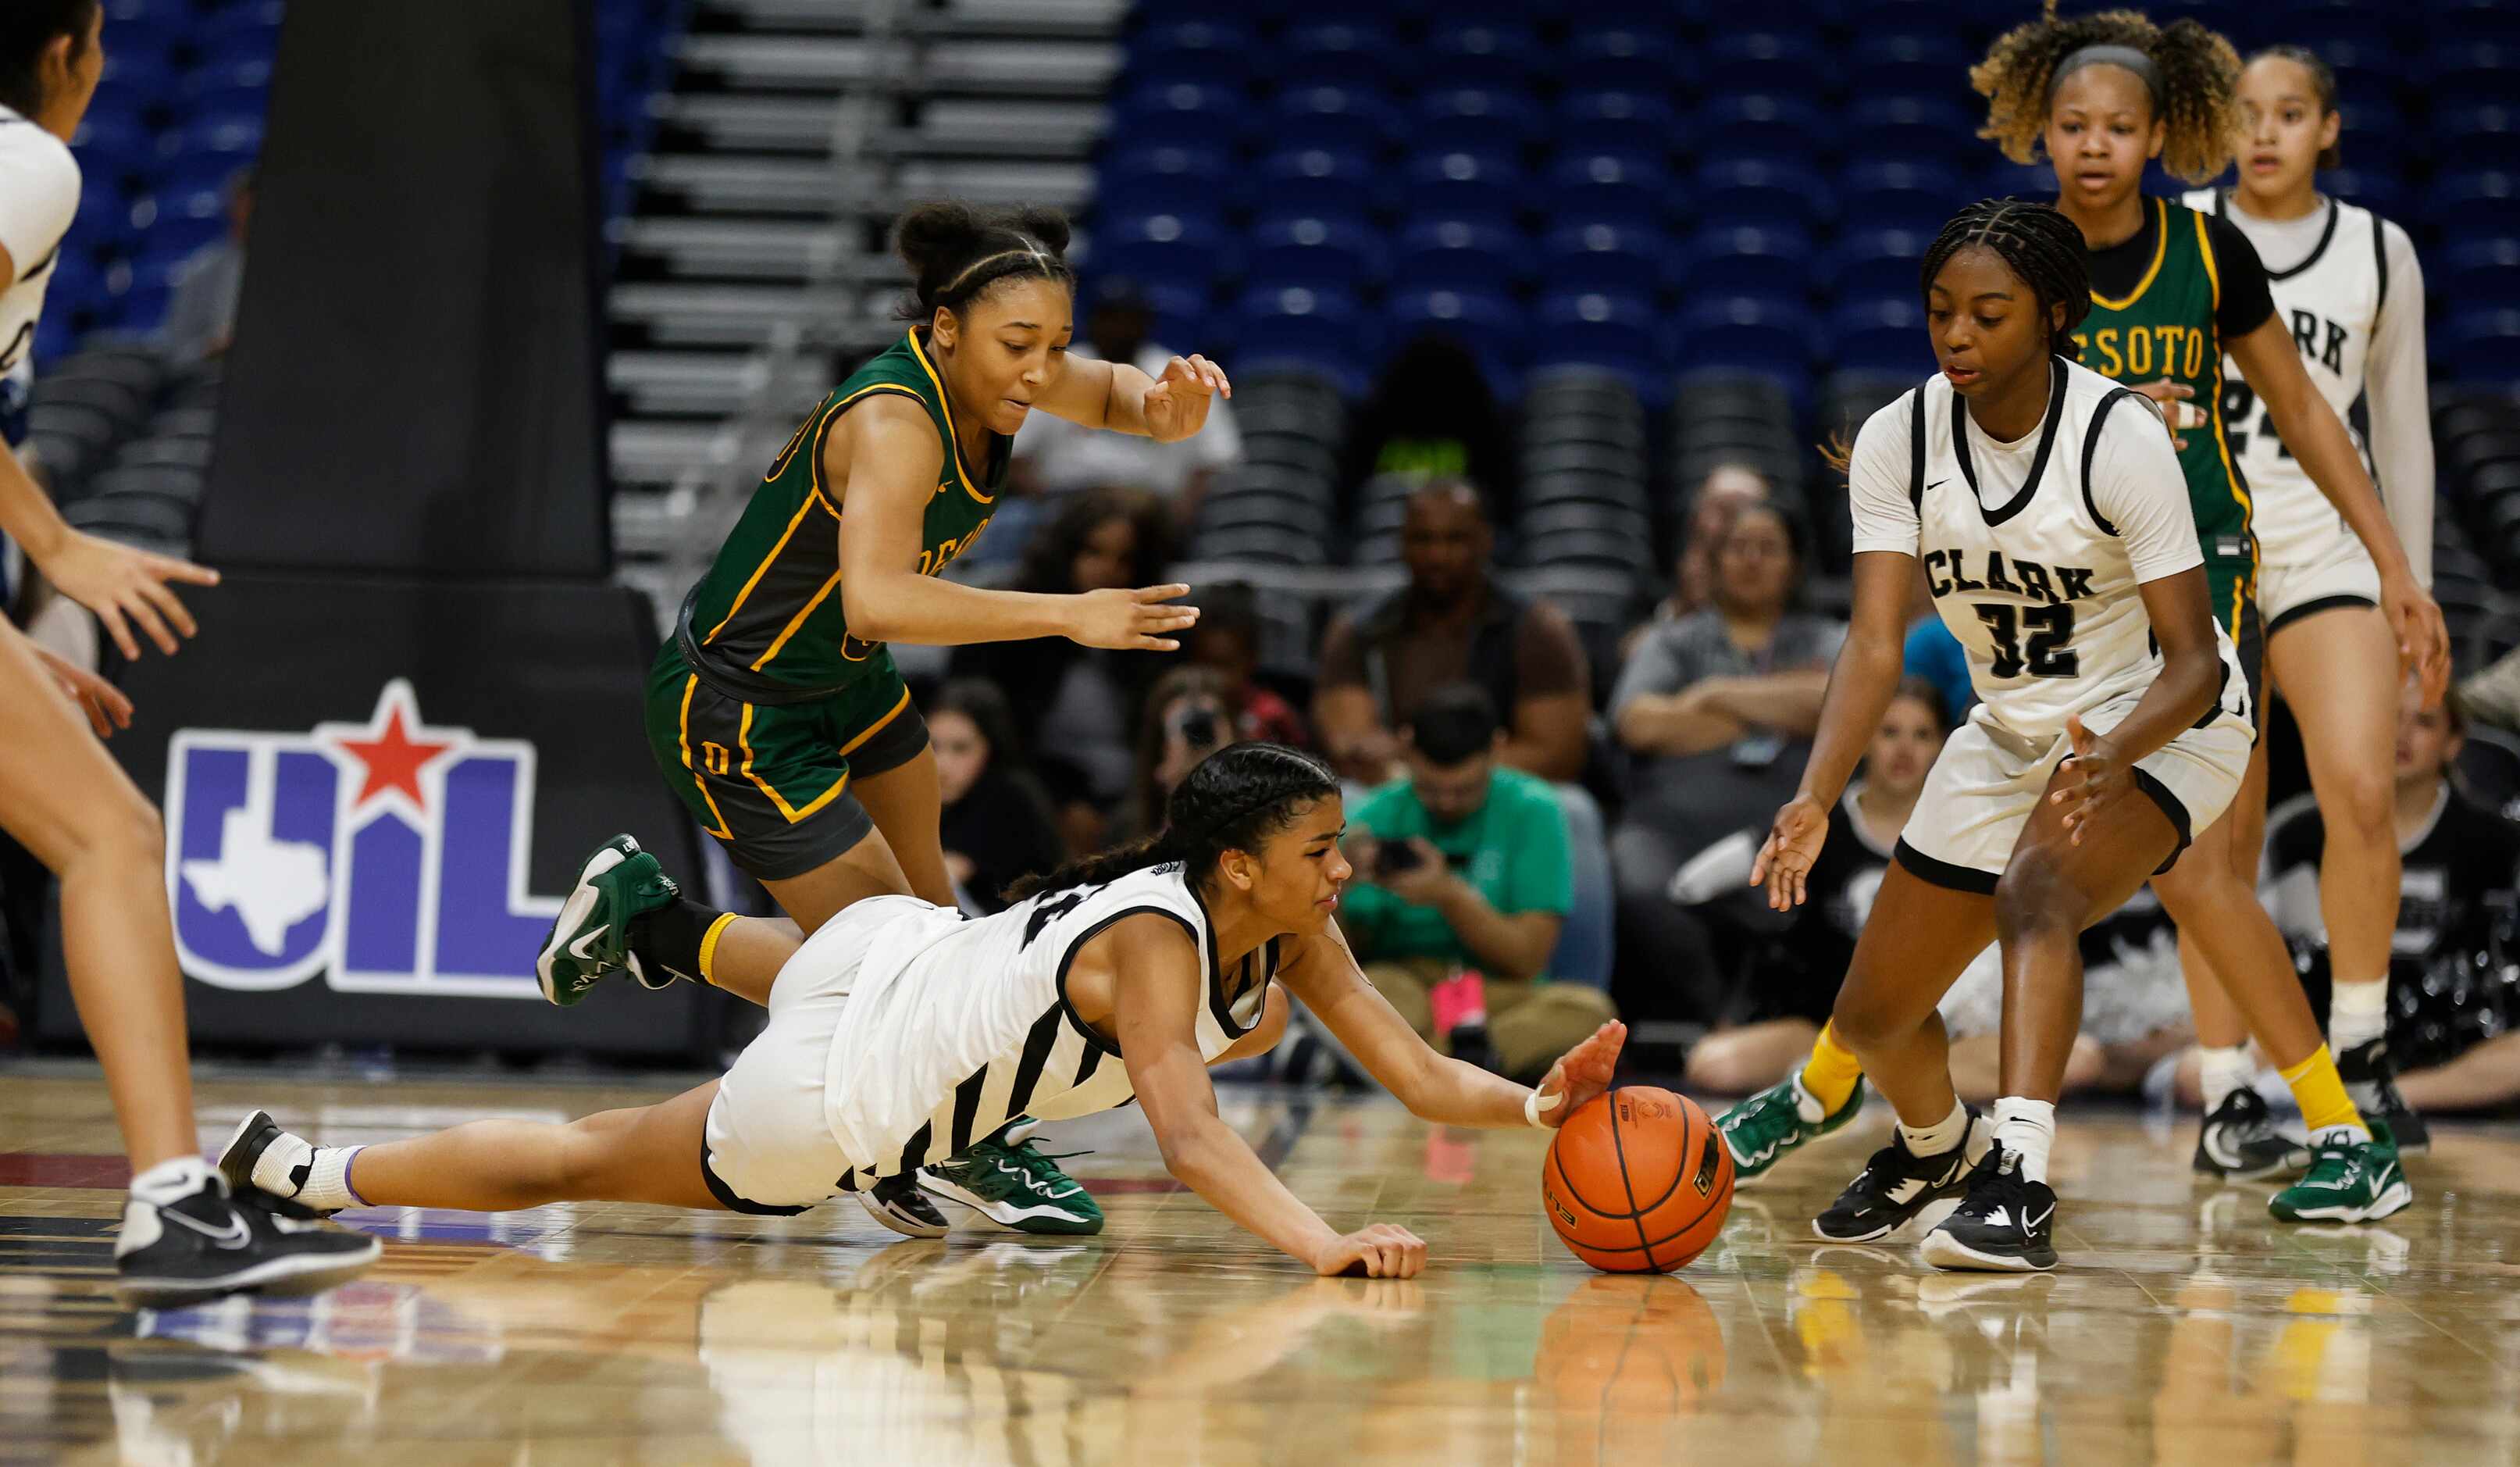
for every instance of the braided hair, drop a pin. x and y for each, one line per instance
(1234, 800)
(2200, 83)
(2039, 244)
(2322, 82)
(955, 253)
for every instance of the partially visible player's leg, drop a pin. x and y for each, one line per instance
(908, 809)
(1751, 1057)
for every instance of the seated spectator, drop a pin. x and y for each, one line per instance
(1190, 714)
(1226, 639)
(201, 314)
(1432, 416)
(1452, 623)
(1793, 963)
(2134, 1009)
(1725, 491)
(1080, 704)
(997, 819)
(1717, 708)
(2453, 986)
(1461, 866)
(1055, 458)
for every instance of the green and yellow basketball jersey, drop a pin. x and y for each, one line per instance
(2166, 329)
(770, 605)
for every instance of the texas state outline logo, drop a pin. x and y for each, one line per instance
(389, 855)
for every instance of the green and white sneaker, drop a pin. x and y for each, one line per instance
(2350, 1180)
(1019, 1185)
(591, 937)
(1761, 1129)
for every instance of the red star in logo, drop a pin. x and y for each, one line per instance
(394, 758)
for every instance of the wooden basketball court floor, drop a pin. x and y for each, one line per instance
(2185, 1327)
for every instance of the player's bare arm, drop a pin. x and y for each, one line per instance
(1117, 397)
(1859, 689)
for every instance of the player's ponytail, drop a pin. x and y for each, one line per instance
(955, 253)
(1234, 800)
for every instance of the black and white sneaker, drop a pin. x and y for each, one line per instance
(1893, 1188)
(2240, 1140)
(2005, 1224)
(2370, 1077)
(210, 1242)
(897, 1203)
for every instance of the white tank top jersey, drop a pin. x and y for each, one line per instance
(955, 1026)
(2330, 300)
(2034, 549)
(39, 195)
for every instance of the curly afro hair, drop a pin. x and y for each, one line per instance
(2200, 77)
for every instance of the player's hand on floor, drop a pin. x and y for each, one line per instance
(1793, 844)
(2091, 780)
(124, 586)
(106, 707)
(1383, 1250)
(1581, 1074)
(1132, 621)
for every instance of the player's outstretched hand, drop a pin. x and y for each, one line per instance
(1177, 405)
(1383, 1250)
(2089, 781)
(1132, 621)
(106, 707)
(1581, 1074)
(123, 587)
(2423, 638)
(1792, 845)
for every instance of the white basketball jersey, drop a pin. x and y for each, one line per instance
(957, 1025)
(2331, 302)
(2025, 571)
(39, 194)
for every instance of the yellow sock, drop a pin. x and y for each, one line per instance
(708, 948)
(1832, 1071)
(2320, 1092)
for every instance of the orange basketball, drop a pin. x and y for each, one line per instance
(1636, 1181)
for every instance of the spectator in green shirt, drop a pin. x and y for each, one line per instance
(1462, 865)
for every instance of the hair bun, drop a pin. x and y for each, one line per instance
(934, 238)
(1045, 224)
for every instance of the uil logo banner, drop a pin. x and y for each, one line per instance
(389, 855)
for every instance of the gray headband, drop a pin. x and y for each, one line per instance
(2111, 56)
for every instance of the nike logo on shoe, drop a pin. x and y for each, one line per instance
(2027, 1223)
(583, 949)
(231, 1237)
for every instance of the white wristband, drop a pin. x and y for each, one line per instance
(1533, 1104)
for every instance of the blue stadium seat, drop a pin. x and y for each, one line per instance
(1640, 59)
(2483, 345)
(2485, 136)
(2005, 179)
(104, 214)
(2356, 27)
(1202, 110)
(1898, 196)
(1748, 334)
(2482, 201)
(139, 73)
(113, 147)
(2466, 75)
(2375, 189)
(1177, 315)
(1874, 262)
(1758, 192)
(1321, 330)
(181, 223)
(1885, 333)
(1464, 184)
(1758, 124)
(1336, 53)
(235, 135)
(1497, 55)
(1341, 254)
(1340, 119)
(1925, 63)
(1621, 124)
(1155, 178)
(1320, 180)
(1910, 129)
(1623, 334)
(2476, 272)
(1608, 187)
(1766, 262)
(2473, 23)
(1489, 324)
(1615, 259)
(1208, 50)
(206, 84)
(1162, 247)
(1781, 62)
(1469, 120)
(1461, 254)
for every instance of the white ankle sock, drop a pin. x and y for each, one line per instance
(317, 1175)
(2027, 1128)
(2220, 1071)
(171, 1180)
(2358, 1014)
(1939, 1137)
